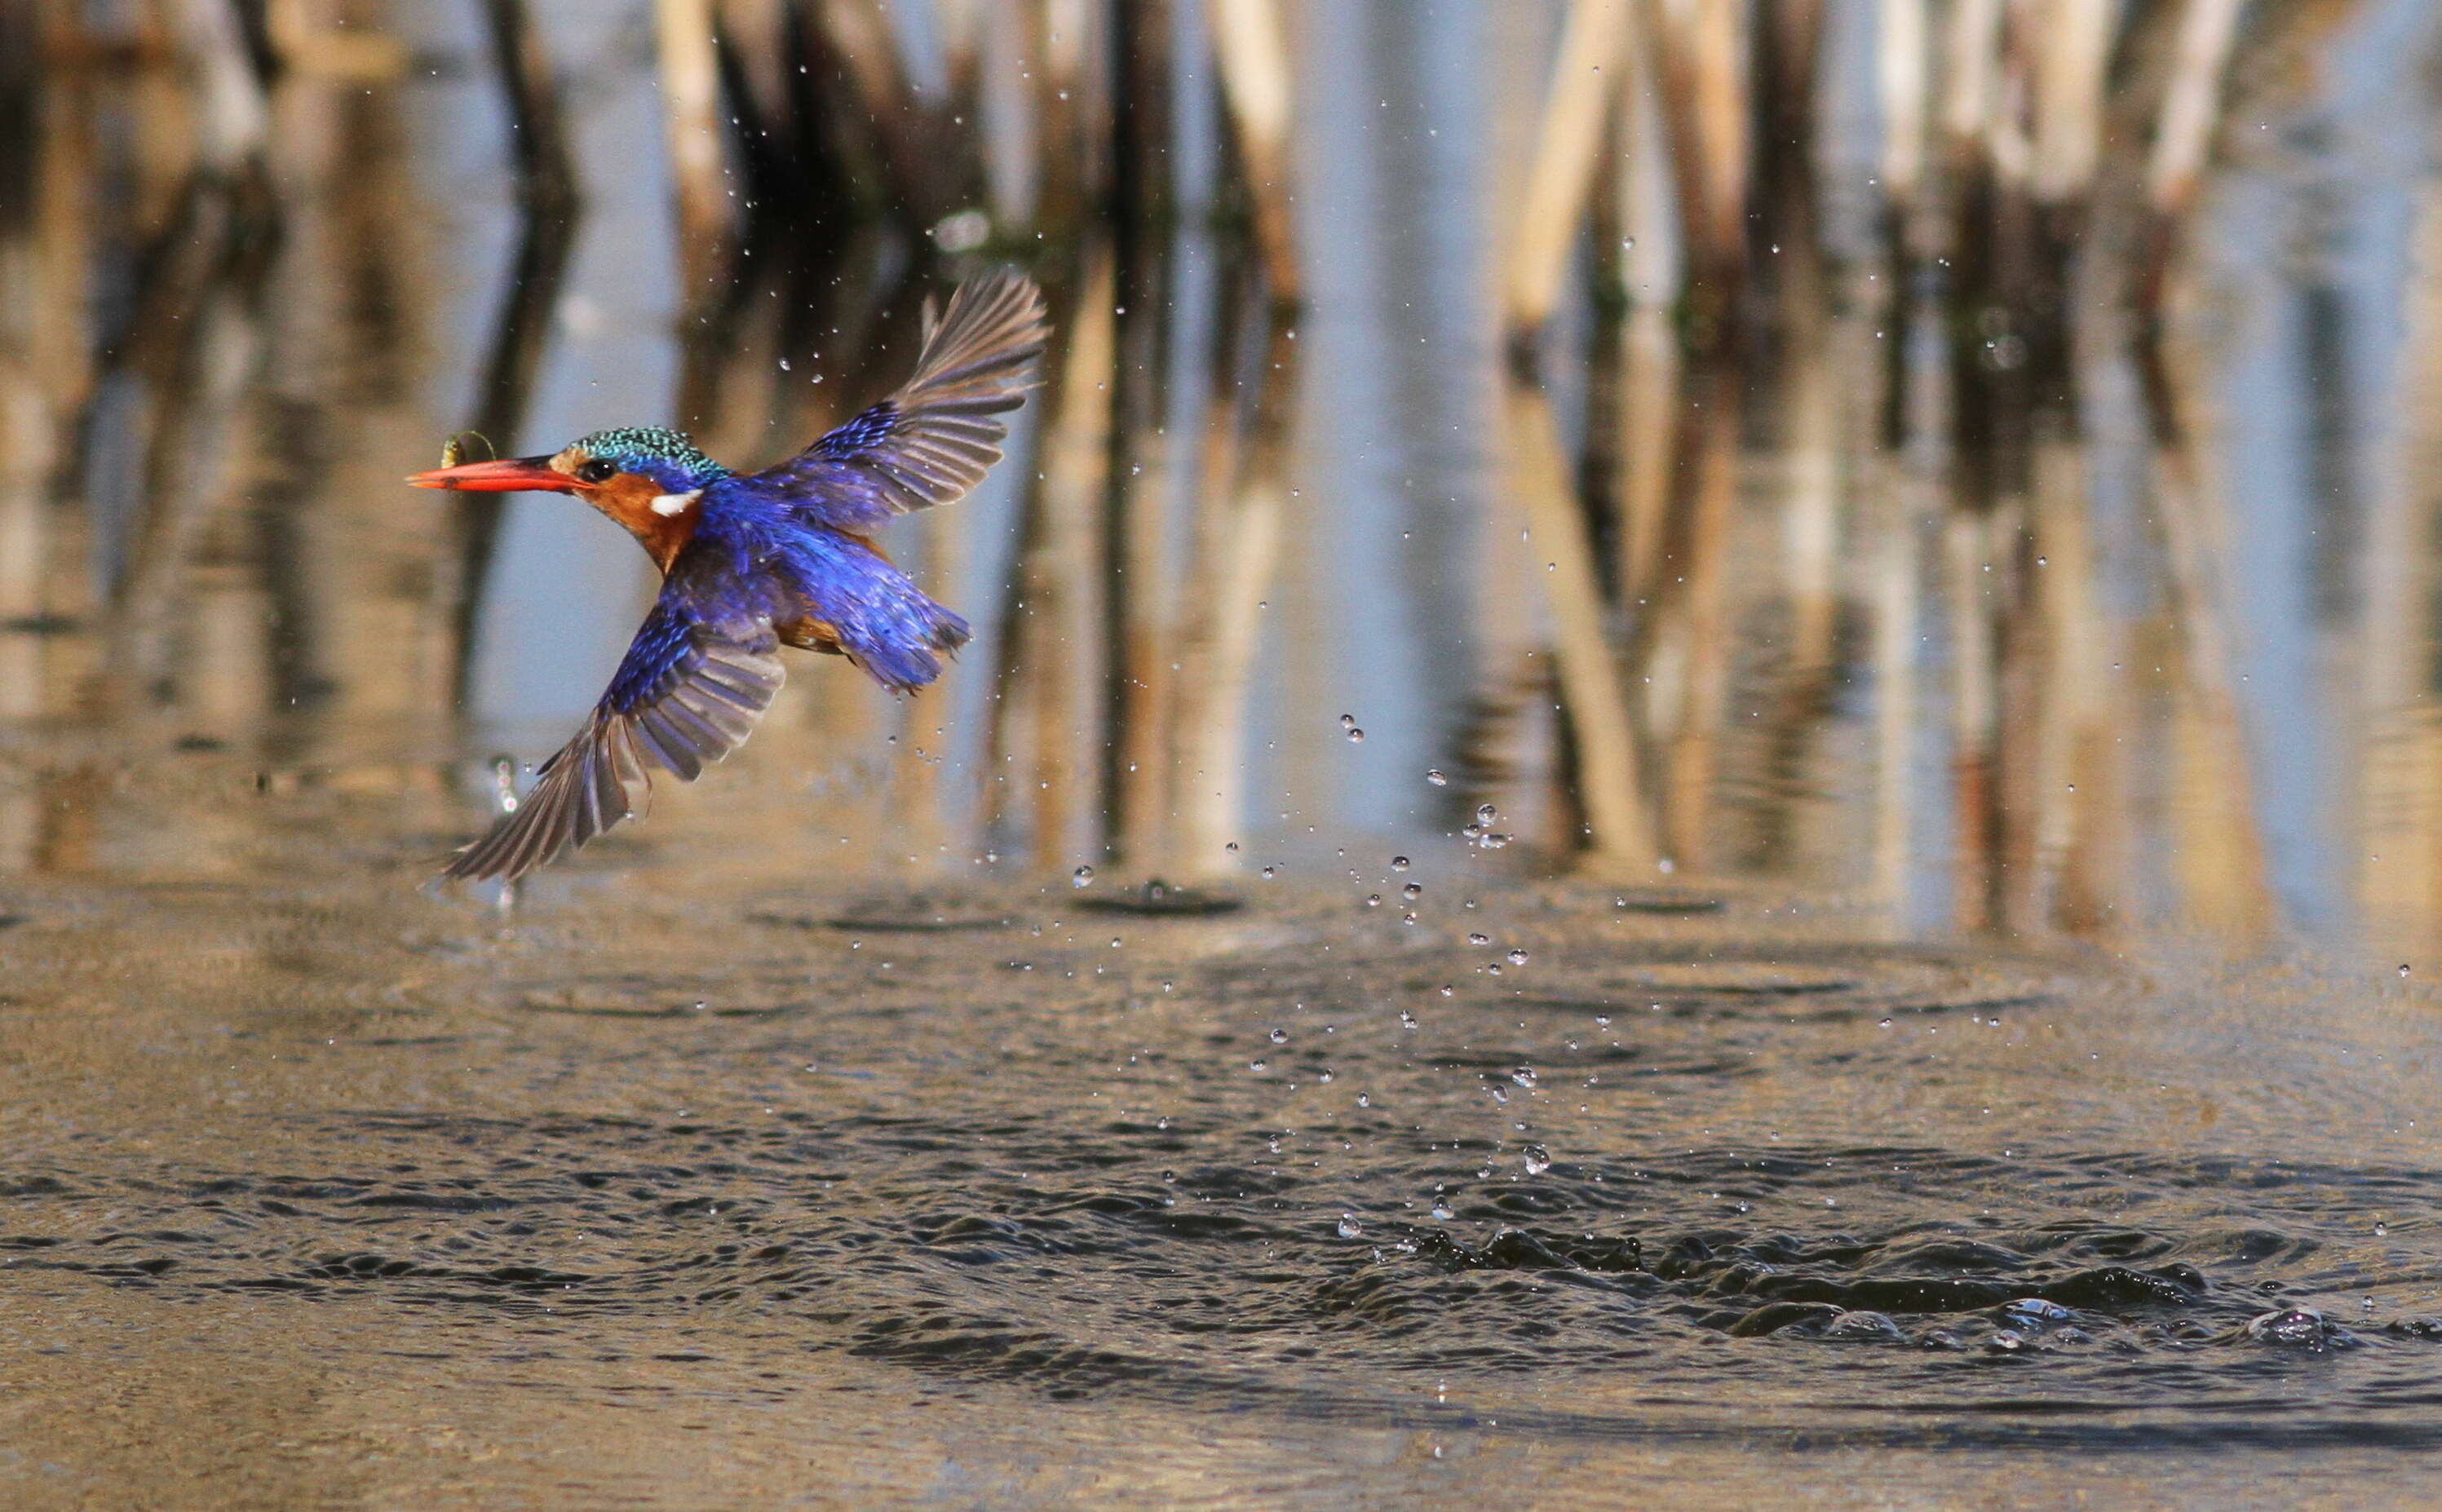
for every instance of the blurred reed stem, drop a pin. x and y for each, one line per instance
(1051, 733)
(1605, 782)
(691, 127)
(1253, 60)
(1240, 503)
(1576, 108)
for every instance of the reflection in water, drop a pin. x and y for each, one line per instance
(1947, 467)
(1947, 568)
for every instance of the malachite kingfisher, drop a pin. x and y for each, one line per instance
(754, 561)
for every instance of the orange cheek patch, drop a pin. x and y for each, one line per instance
(628, 497)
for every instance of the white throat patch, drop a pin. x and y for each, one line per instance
(668, 506)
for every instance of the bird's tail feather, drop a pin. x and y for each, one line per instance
(898, 647)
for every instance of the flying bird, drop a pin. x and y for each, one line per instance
(754, 561)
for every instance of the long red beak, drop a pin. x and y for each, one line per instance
(505, 476)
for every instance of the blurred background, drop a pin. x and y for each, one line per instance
(1980, 458)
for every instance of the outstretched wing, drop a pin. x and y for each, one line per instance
(690, 690)
(934, 440)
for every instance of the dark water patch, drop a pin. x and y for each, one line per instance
(1158, 900)
(1667, 902)
(919, 912)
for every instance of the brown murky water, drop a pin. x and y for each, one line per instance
(1944, 1021)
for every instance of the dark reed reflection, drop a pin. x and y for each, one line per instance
(1977, 458)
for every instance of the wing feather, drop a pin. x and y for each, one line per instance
(688, 692)
(932, 441)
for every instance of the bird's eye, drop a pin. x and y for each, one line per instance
(596, 470)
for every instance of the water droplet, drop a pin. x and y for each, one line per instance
(1349, 1227)
(2380, 1229)
(1269, 872)
(1082, 877)
(1517, 958)
(1478, 939)
(1442, 1212)
(1485, 813)
(1413, 890)
(1602, 1021)
(1885, 1023)
(1277, 1036)
(1372, 900)
(1348, 721)
(1407, 1020)
(1356, 738)
(1325, 1074)
(1364, 1099)
(1231, 848)
(1447, 990)
(1524, 1076)
(1495, 842)
(784, 364)
(1399, 862)
(2403, 968)
(1437, 777)
(1259, 1067)
(1538, 1159)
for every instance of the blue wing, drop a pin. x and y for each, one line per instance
(695, 680)
(934, 440)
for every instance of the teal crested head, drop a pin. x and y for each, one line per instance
(669, 458)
